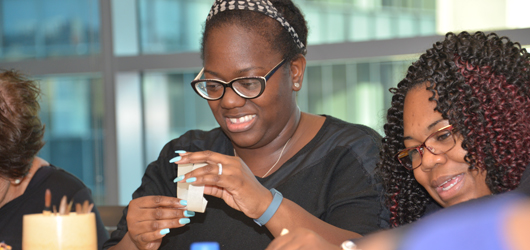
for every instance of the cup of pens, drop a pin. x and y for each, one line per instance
(60, 229)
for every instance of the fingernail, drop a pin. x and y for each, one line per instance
(179, 178)
(189, 213)
(180, 151)
(183, 202)
(164, 231)
(175, 159)
(190, 180)
(184, 221)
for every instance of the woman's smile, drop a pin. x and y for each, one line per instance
(448, 187)
(240, 124)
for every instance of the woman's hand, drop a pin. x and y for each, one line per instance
(149, 219)
(236, 184)
(301, 238)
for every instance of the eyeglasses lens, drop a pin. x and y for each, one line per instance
(248, 87)
(245, 87)
(437, 143)
(210, 90)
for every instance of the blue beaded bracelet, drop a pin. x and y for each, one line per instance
(277, 198)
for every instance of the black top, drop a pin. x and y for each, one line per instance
(331, 177)
(60, 183)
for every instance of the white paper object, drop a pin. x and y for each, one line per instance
(192, 193)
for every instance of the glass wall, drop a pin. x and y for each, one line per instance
(171, 108)
(51, 28)
(115, 73)
(171, 25)
(176, 25)
(72, 109)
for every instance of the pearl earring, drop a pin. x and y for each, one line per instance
(297, 85)
(17, 181)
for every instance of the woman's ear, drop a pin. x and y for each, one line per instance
(297, 72)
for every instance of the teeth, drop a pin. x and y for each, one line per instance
(450, 186)
(242, 119)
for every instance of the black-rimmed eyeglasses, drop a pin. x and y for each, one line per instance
(437, 143)
(248, 87)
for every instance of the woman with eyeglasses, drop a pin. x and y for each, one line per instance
(458, 129)
(269, 165)
(458, 126)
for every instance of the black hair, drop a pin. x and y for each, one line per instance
(271, 30)
(481, 84)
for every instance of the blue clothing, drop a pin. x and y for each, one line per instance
(478, 225)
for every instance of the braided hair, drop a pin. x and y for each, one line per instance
(481, 84)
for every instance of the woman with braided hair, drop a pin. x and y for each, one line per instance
(458, 129)
(269, 165)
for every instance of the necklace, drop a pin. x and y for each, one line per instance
(281, 153)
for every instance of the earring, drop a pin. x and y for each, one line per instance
(17, 181)
(297, 85)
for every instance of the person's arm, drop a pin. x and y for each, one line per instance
(153, 210)
(149, 219)
(291, 216)
(352, 201)
(238, 187)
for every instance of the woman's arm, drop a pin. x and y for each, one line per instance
(292, 216)
(238, 187)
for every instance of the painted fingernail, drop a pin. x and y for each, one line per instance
(183, 202)
(184, 221)
(164, 231)
(190, 180)
(175, 159)
(189, 213)
(180, 151)
(179, 178)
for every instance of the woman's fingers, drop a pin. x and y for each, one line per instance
(234, 182)
(156, 201)
(147, 241)
(149, 218)
(202, 156)
(146, 233)
(161, 227)
(230, 179)
(160, 213)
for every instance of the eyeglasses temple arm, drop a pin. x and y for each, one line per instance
(274, 69)
(199, 75)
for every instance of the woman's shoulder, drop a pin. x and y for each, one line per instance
(54, 174)
(349, 133)
(342, 141)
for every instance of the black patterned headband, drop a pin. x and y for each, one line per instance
(262, 6)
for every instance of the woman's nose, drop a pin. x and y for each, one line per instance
(232, 100)
(430, 160)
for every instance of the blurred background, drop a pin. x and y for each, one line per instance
(115, 73)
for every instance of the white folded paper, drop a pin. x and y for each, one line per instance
(191, 193)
